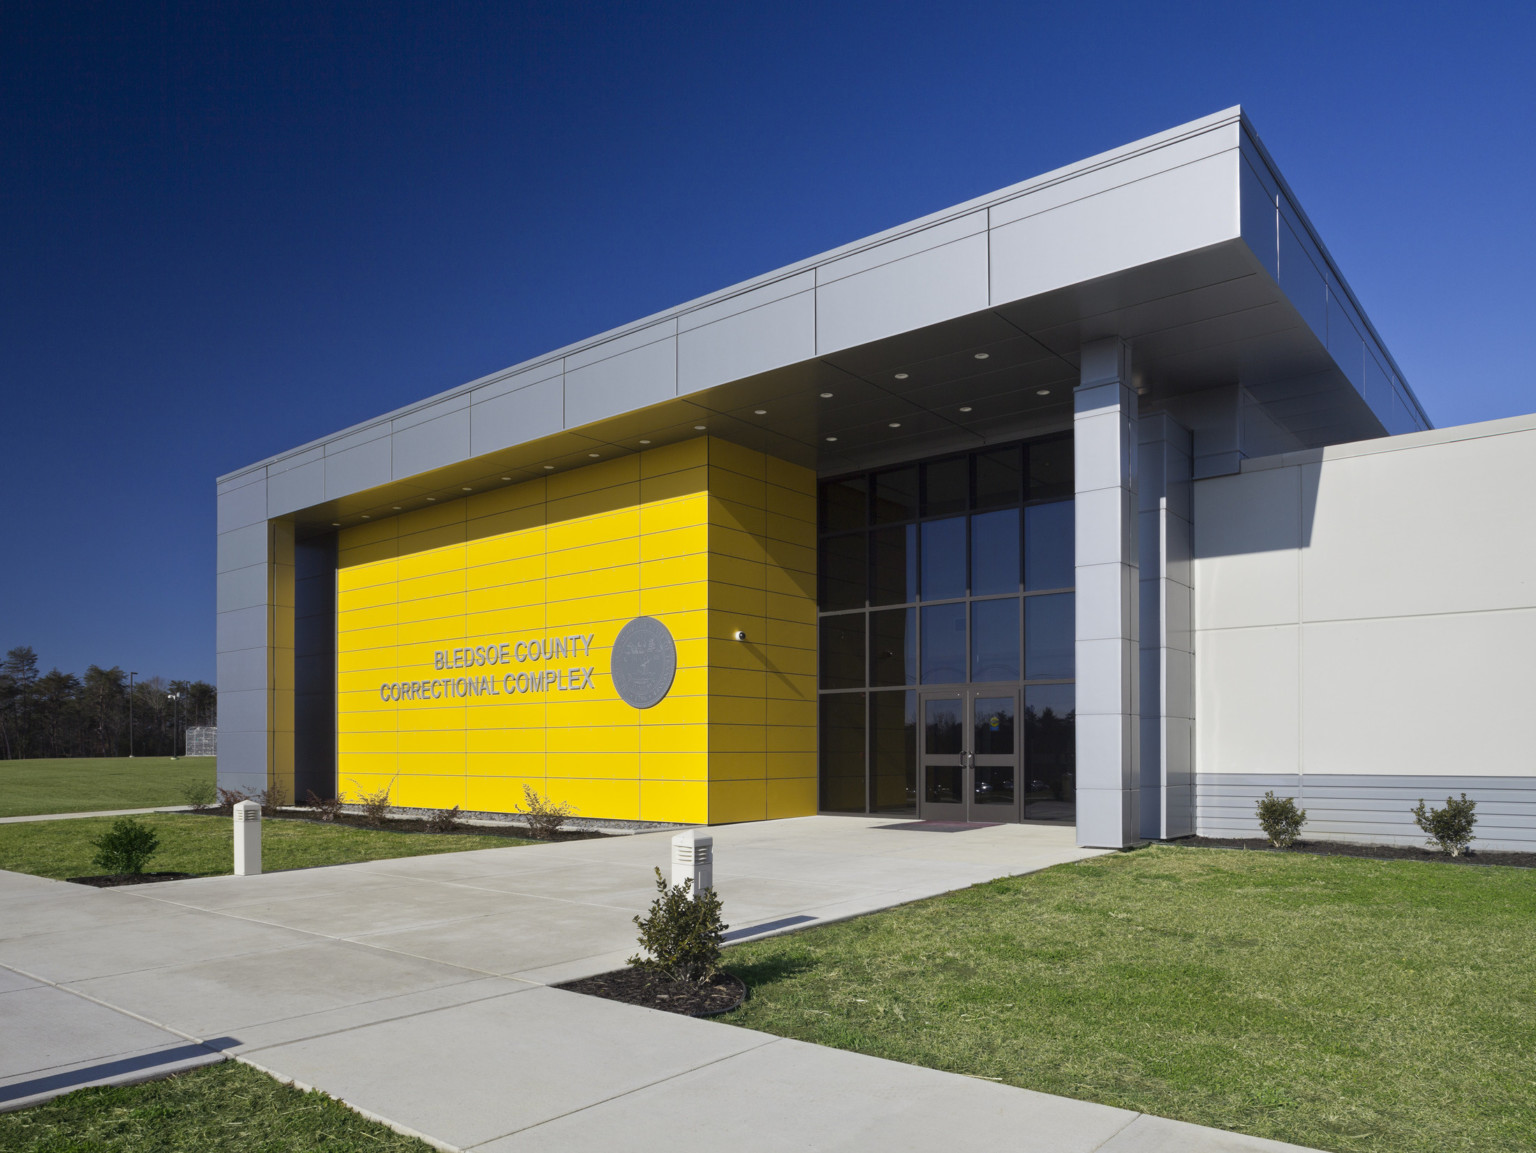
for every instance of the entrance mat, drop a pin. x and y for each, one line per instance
(941, 826)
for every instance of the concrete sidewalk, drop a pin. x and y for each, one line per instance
(416, 991)
(96, 813)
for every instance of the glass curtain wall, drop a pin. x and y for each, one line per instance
(946, 573)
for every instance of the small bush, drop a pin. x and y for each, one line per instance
(200, 795)
(229, 798)
(272, 798)
(375, 806)
(1280, 819)
(682, 934)
(544, 816)
(444, 820)
(328, 810)
(126, 847)
(1450, 828)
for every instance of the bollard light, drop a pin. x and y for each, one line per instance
(693, 858)
(247, 839)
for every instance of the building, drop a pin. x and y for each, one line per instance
(1098, 499)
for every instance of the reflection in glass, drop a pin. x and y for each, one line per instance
(943, 558)
(842, 571)
(943, 646)
(946, 486)
(1050, 635)
(942, 727)
(893, 751)
(842, 652)
(995, 640)
(994, 785)
(1049, 548)
(844, 504)
(893, 565)
(999, 473)
(842, 752)
(943, 785)
(992, 726)
(895, 495)
(1050, 469)
(893, 647)
(1050, 753)
(995, 552)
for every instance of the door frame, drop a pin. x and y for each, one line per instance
(968, 760)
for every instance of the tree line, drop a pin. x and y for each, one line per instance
(57, 714)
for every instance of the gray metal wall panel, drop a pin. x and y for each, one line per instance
(243, 711)
(241, 629)
(431, 412)
(241, 588)
(1260, 218)
(1302, 281)
(296, 488)
(431, 444)
(241, 669)
(243, 506)
(618, 345)
(747, 301)
(1370, 809)
(242, 548)
(923, 289)
(902, 247)
(513, 381)
(510, 418)
(354, 469)
(634, 379)
(770, 336)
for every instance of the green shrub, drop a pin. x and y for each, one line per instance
(1280, 819)
(199, 795)
(126, 847)
(444, 820)
(375, 806)
(544, 816)
(682, 933)
(1450, 828)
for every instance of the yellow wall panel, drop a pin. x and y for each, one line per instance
(680, 533)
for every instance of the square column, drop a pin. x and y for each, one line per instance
(1108, 648)
(1167, 636)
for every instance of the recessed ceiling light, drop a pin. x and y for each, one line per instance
(468, 489)
(901, 376)
(645, 442)
(982, 355)
(894, 424)
(431, 498)
(592, 454)
(335, 524)
(367, 517)
(1042, 392)
(549, 466)
(830, 439)
(698, 428)
(826, 396)
(965, 408)
(395, 507)
(760, 411)
(506, 478)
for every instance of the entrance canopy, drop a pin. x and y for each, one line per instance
(953, 331)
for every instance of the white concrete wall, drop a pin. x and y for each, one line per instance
(1365, 633)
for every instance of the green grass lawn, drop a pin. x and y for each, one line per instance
(1335, 1002)
(222, 1107)
(205, 844)
(82, 784)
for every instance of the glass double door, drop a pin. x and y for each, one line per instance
(969, 745)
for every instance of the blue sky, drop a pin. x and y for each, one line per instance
(231, 228)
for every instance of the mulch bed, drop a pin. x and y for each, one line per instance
(416, 826)
(633, 986)
(112, 880)
(1472, 856)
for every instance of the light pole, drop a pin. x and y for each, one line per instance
(175, 699)
(130, 714)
